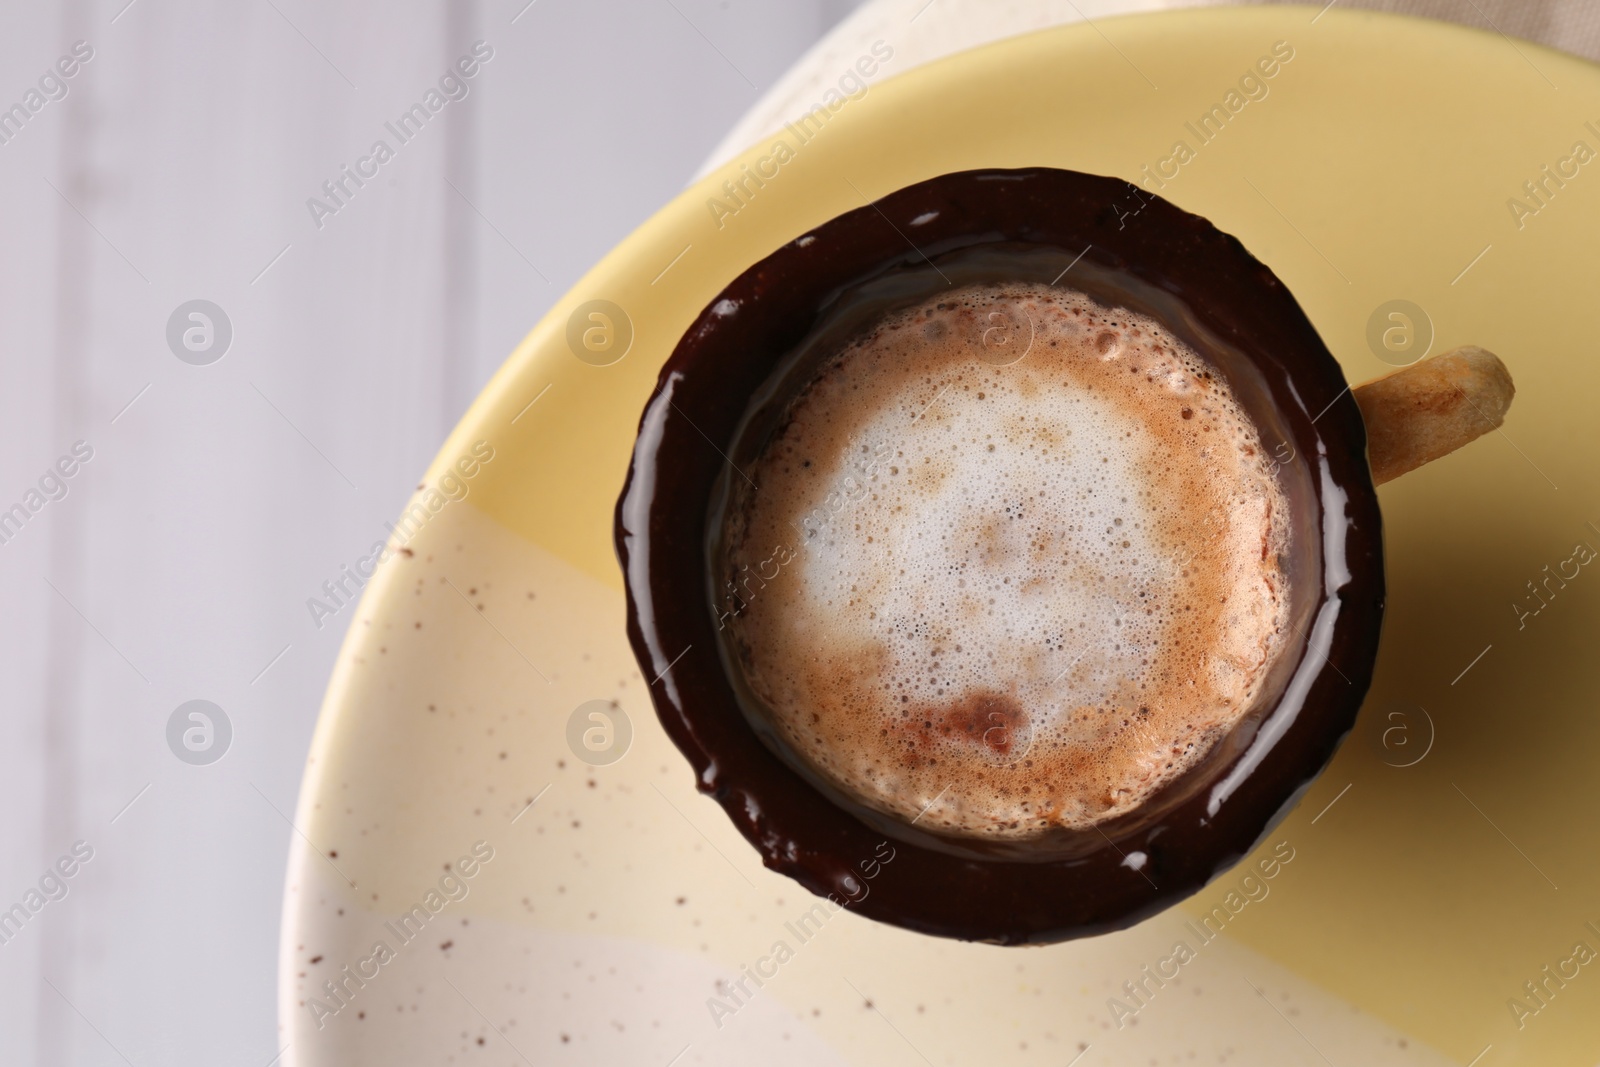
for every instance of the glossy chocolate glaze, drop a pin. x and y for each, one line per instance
(1151, 256)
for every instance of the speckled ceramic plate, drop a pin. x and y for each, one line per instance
(510, 861)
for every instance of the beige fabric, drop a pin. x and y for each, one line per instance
(919, 31)
(1570, 25)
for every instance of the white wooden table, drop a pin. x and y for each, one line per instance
(220, 497)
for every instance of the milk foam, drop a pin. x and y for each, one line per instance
(1000, 599)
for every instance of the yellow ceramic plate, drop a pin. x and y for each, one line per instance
(617, 919)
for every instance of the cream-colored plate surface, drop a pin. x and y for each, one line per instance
(618, 912)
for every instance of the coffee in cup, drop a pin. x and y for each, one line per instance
(861, 624)
(1001, 597)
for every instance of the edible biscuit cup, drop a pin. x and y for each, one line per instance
(714, 401)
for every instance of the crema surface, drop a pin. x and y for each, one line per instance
(996, 598)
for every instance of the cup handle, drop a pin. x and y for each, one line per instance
(1432, 408)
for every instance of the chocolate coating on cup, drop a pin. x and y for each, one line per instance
(1126, 248)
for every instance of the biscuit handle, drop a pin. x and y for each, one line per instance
(1432, 408)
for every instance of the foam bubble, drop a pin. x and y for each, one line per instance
(998, 598)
